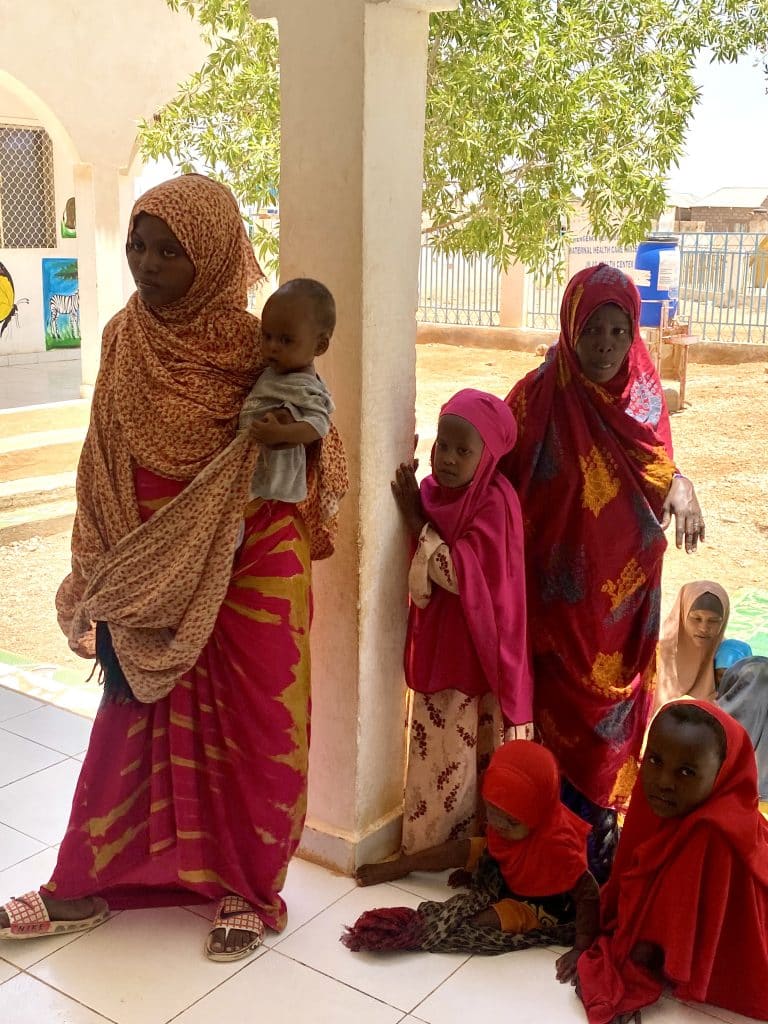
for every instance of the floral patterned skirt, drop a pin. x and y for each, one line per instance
(452, 737)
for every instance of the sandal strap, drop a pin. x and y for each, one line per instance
(234, 904)
(236, 913)
(26, 913)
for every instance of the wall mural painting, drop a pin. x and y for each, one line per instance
(9, 304)
(61, 303)
(69, 219)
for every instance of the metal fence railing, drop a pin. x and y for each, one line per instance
(543, 295)
(724, 285)
(453, 290)
(723, 292)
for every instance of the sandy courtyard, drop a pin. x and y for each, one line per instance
(720, 442)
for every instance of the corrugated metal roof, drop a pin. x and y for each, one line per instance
(684, 200)
(747, 198)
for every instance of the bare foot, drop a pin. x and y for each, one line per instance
(221, 940)
(61, 910)
(386, 871)
(237, 939)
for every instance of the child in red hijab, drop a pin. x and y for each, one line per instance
(686, 907)
(466, 657)
(530, 884)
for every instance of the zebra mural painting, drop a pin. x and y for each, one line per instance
(64, 305)
(61, 303)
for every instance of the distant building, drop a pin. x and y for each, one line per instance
(727, 209)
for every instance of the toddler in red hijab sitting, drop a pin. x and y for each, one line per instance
(530, 884)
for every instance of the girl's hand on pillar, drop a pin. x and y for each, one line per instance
(405, 491)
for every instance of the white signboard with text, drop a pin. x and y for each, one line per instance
(587, 250)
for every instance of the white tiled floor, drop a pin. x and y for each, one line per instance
(147, 967)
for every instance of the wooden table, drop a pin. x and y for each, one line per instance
(679, 342)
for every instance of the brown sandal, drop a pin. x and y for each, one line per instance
(29, 918)
(235, 914)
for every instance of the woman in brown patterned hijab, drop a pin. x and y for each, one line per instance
(197, 789)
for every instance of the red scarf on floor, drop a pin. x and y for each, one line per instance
(476, 641)
(523, 781)
(592, 467)
(698, 887)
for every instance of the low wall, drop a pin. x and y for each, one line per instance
(523, 339)
(514, 339)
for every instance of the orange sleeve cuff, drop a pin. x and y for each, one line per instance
(516, 916)
(477, 845)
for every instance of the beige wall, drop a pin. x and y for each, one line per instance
(727, 218)
(99, 66)
(26, 333)
(87, 72)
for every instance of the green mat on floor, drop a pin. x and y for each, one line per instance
(69, 689)
(749, 619)
(63, 687)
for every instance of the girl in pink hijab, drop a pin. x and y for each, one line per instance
(466, 658)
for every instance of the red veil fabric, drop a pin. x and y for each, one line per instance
(698, 887)
(523, 780)
(592, 467)
(476, 641)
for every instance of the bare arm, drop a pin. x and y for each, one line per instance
(453, 854)
(682, 503)
(586, 897)
(271, 431)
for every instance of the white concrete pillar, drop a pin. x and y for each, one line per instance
(353, 78)
(101, 251)
(512, 296)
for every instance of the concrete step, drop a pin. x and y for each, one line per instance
(41, 439)
(35, 419)
(39, 451)
(38, 490)
(41, 520)
(51, 459)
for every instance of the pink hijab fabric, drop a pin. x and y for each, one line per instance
(476, 641)
(686, 670)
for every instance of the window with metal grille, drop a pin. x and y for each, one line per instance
(27, 199)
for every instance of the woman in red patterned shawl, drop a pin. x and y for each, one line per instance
(594, 470)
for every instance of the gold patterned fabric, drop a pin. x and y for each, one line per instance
(203, 793)
(592, 466)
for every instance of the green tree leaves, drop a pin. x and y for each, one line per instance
(531, 104)
(225, 118)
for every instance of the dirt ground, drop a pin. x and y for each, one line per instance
(720, 443)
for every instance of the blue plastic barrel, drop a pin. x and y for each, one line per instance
(659, 257)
